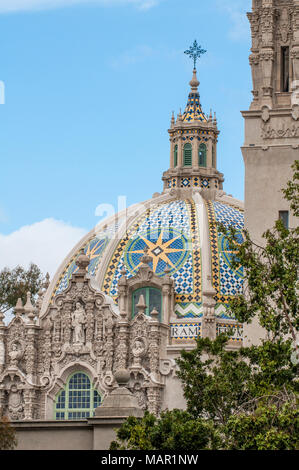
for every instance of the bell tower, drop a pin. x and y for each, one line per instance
(272, 122)
(193, 142)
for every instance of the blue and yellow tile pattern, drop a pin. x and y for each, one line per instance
(227, 280)
(170, 233)
(193, 111)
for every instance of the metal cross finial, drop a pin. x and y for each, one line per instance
(195, 52)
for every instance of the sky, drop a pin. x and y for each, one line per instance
(87, 89)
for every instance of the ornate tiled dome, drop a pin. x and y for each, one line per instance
(180, 235)
(177, 229)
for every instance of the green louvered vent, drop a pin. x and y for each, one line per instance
(202, 155)
(188, 155)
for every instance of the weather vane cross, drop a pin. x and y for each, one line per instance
(195, 52)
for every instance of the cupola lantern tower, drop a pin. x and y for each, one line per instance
(193, 142)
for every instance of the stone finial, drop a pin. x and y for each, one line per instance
(28, 308)
(19, 309)
(155, 314)
(141, 306)
(122, 377)
(194, 82)
(167, 271)
(123, 279)
(146, 258)
(166, 278)
(172, 123)
(2, 316)
(215, 119)
(47, 281)
(120, 402)
(82, 262)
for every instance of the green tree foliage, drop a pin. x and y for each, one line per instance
(174, 430)
(7, 435)
(269, 426)
(215, 380)
(244, 399)
(271, 273)
(16, 283)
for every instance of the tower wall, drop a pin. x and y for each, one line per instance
(272, 122)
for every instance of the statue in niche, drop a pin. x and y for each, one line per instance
(138, 351)
(78, 322)
(15, 355)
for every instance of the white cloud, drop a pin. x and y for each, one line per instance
(12, 6)
(236, 11)
(44, 243)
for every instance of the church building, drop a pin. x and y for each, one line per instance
(143, 285)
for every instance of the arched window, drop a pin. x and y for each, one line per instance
(202, 155)
(152, 297)
(175, 156)
(187, 155)
(77, 400)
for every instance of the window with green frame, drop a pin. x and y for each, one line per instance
(187, 155)
(202, 155)
(175, 156)
(152, 297)
(78, 399)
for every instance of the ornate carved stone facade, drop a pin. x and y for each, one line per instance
(82, 331)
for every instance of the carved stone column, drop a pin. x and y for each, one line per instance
(29, 404)
(154, 399)
(267, 63)
(254, 61)
(30, 354)
(57, 334)
(167, 292)
(31, 343)
(123, 292)
(209, 319)
(2, 402)
(89, 306)
(67, 322)
(121, 357)
(109, 349)
(47, 348)
(2, 345)
(295, 83)
(154, 343)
